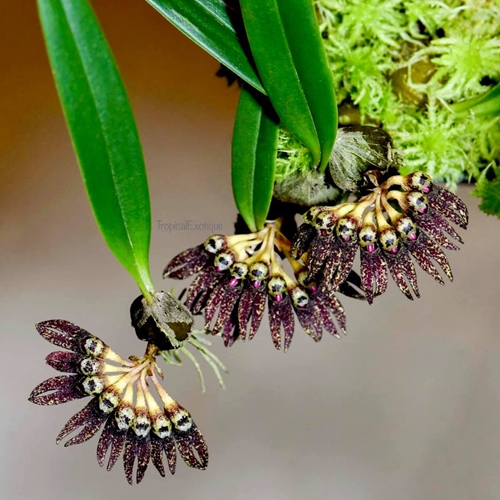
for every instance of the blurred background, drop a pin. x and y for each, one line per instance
(406, 406)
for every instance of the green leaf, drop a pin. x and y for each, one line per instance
(487, 104)
(489, 191)
(301, 25)
(208, 24)
(255, 141)
(286, 45)
(103, 131)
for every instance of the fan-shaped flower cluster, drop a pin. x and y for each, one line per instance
(134, 423)
(238, 274)
(401, 218)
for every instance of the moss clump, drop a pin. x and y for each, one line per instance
(401, 65)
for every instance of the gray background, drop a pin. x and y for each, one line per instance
(406, 406)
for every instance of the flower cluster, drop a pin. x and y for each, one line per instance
(134, 423)
(400, 217)
(238, 274)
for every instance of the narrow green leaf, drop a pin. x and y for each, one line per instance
(301, 26)
(487, 104)
(210, 24)
(103, 131)
(255, 140)
(274, 59)
(287, 48)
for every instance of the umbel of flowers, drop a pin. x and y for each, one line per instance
(238, 274)
(400, 218)
(133, 422)
(394, 220)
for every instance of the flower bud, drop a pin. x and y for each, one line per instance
(215, 243)
(418, 202)
(109, 400)
(124, 417)
(94, 385)
(162, 426)
(406, 228)
(239, 271)
(90, 366)
(300, 299)
(142, 423)
(368, 238)
(277, 288)
(347, 229)
(389, 240)
(419, 181)
(259, 272)
(92, 346)
(325, 221)
(223, 261)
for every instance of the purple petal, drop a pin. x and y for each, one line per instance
(323, 313)
(433, 224)
(373, 274)
(213, 302)
(401, 268)
(227, 306)
(432, 251)
(113, 438)
(245, 309)
(90, 418)
(62, 333)
(157, 454)
(230, 331)
(251, 308)
(258, 308)
(421, 254)
(201, 288)
(322, 249)
(226, 300)
(453, 201)
(61, 361)
(449, 210)
(369, 263)
(66, 388)
(129, 455)
(328, 301)
(344, 267)
(302, 239)
(280, 313)
(187, 263)
(143, 457)
(158, 447)
(171, 453)
(190, 442)
(309, 321)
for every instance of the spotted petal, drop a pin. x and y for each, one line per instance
(90, 418)
(111, 439)
(187, 263)
(373, 274)
(281, 314)
(192, 447)
(65, 388)
(160, 446)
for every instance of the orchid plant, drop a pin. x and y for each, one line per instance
(350, 115)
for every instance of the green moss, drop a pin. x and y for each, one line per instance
(400, 65)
